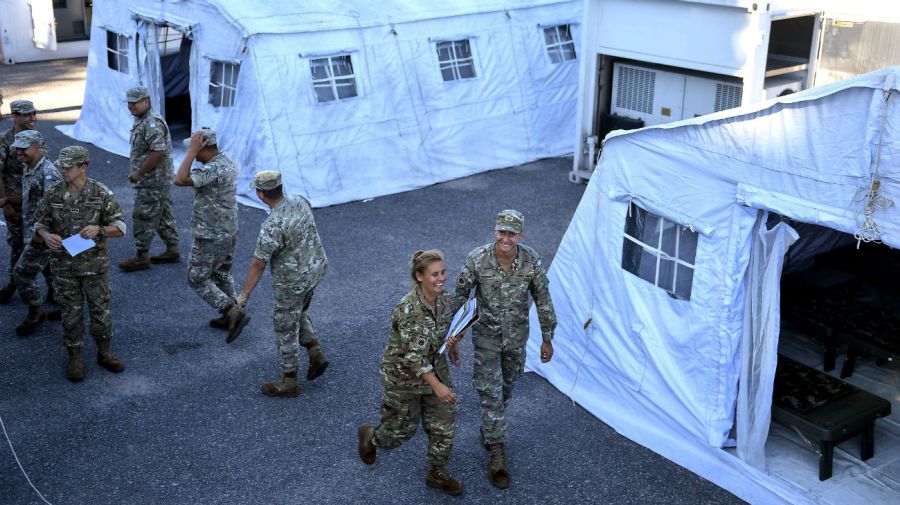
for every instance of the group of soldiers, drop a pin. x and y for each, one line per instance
(44, 205)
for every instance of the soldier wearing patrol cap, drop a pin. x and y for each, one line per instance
(289, 241)
(24, 117)
(503, 274)
(81, 206)
(39, 175)
(152, 174)
(213, 225)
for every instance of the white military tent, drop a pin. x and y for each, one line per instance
(349, 100)
(676, 350)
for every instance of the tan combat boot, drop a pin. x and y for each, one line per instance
(75, 368)
(170, 255)
(366, 446)
(106, 359)
(440, 479)
(498, 471)
(237, 319)
(285, 386)
(317, 361)
(33, 320)
(7, 292)
(140, 261)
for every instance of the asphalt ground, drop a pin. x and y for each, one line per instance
(185, 423)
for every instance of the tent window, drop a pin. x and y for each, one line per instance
(560, 46)
(456, 60)
(223, 83)
(659, 251)
(333, 78)
(117, 51)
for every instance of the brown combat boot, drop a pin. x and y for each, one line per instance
(317, 361)
(140, 261)
(366, 446)
(75, 368)
(107, 359)
(498, 471)
(440, 479)
(237, 319)
(220, 323)
(32, 322)
(7, 292)
(285, 386)
(170, 255)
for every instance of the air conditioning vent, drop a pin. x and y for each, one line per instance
(636, 89)
(728, 96)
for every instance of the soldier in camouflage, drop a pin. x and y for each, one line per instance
(151, 175)
(503, 273)
(289, 241)
(38, 176)
(213, 225)
(24, 117)
(415, 375)
(81, 206)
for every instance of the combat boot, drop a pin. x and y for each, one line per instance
(7, 292)
(32, 322)
(498, 471)
(366, 446)
(317, 361)
(285, 386)
(220, 323)
(75, 368)
(140, 261)
(439, 479)
(237, 319)
(107, 359)
(170, 255)
(51, 295)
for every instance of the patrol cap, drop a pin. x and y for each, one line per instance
(72, 156)
(510, 220)
(209, 135)
(22, 107)
(266, 180)
(27, 138)
(136, 94)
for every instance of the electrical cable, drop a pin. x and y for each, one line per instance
(8, 441)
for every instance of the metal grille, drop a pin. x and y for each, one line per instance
(728, 96)
(636, 89)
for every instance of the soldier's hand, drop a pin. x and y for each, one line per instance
(445, 395)
(546, 352)
(10, 214)
(53, 241)
(197, 143)
(90, 231)
(241, 300)
(453, 353)
(134, 177)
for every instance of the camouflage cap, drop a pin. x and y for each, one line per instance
(510, 220)
(136, 94)
(72, 156)
(27, 138)
(209, 135)
(22, 107)
(266, 180)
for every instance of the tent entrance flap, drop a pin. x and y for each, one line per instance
(165, 66)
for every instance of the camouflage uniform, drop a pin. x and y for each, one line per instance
(152, 198)
(289, 242)
(12, 170)
(36, 255)
(417, 332)
(500, 334)
(83, 277)
(214, 227)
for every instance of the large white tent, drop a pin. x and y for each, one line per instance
(351, 100)
(673, 342)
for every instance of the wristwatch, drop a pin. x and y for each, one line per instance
(101, 232)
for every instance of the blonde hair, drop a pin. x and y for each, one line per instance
(421, 260)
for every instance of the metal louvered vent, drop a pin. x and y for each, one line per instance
(635, 91)
(728, 96)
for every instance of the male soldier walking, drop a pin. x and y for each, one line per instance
(38, 176)
(289, 240)
(502, 274)
(151, 174)
(24, 117)
(213, 225)
(81, 206)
